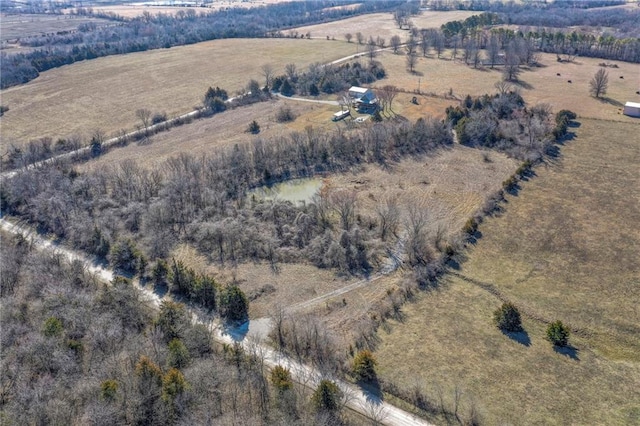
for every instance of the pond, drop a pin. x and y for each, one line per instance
(295, 190)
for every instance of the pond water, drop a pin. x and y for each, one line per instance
(295, 190)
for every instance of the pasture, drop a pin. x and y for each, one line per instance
(380, 24)
(537, 85)
(564, 248)
(104, 93)
(27, 25)
(133, 10)
(220, 131)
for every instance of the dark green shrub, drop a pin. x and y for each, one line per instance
(234, 305)
(507, 318)
(327, 396)
(558, 333)
(52, 327)
(364, 365)
(254, 127)
(108, 390)
(178, 354)
(281, 378)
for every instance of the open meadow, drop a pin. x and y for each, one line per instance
(537, 85)
(564, 248)
(105, 93)
(380, 25)
(26, 25)
(135, 9)
(221, 131)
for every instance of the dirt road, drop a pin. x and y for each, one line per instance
(362, 401)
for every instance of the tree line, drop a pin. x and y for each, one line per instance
(164, 31)
(202, 200)
(483, 31)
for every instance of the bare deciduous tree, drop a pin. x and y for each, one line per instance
(267, 72)
(344, 203)
(599, 83)
(395, 43)
(372, 49)
(412, 60)
(291, 71)
(348, 37)
(144, 115)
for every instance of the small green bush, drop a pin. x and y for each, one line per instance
(558, 333)
(327, 396)
(364, 365)
(507, 318)
(52, 327)
(281, 378)
(108, 390)
(254, 127)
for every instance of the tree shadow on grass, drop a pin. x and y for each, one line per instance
(607, 100)
(372, 390)
(521, 337)
(570, 351)
(523, 84)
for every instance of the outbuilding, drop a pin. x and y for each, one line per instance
(632, 109)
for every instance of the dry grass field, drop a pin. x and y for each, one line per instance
(538, 85)
(380, 24)
(565, 248)
(133, 10)
(222, 130)
(25, 25)
(104, 93)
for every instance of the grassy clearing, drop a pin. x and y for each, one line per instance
(566, 248)
(105, 93)
(222, 130)
(25, 25)
(447, 339)
(538, 85)
(380, 25)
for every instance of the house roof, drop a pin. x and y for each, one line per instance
(633, 104)
(358, 89)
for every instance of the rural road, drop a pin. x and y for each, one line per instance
(362, 401)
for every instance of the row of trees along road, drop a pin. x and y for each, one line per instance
(75, 350)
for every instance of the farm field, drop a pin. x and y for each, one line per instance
(221, 130)
(24, 25)
(575, 259)
(380, 24)
(104, 93)
(538, 85)
(132, 10)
